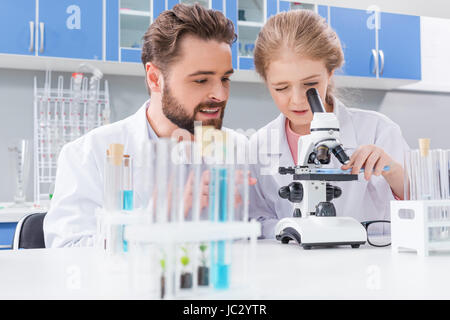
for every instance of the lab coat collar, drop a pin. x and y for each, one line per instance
(348, 132)
(139, 137)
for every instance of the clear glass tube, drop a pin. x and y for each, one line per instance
(427, 178)
(128, 190)
(112, 183)
(20, 160)
(165, 181)
(147, 176)
(75, 105)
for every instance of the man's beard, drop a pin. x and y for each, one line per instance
(175, 112)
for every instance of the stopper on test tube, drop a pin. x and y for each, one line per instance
(201, 134)
(116, 152)
(126, 160)
(424, 146)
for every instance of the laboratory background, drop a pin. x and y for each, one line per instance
(396, 63)
(413, 90)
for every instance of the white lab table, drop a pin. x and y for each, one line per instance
(281, 272)
(10, 213)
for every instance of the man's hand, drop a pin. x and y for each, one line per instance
(204, 189)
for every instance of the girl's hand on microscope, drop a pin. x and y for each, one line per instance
(370, 157)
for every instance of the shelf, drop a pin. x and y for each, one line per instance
(439, 245)
(136, 69)
(250, 24)
(438, 224)
(130, 12)
(427, 87)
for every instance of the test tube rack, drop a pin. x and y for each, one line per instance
(422, 225)
(62, 115)
(139, 232)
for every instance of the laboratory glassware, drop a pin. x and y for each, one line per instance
(20, 159)
(60, 116)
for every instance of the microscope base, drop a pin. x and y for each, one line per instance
(315, 231)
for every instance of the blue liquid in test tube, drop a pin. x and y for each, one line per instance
(219, 264)
(128, 194)
(128, 200)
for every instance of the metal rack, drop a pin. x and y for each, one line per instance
(62, 115)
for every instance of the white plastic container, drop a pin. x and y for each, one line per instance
(421, 225)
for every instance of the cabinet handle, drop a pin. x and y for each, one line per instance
(41, 27)
(31, 36)
(382, 62)
(375, 60)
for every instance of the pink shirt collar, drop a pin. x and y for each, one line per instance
(292, 139)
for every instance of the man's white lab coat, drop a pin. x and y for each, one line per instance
(71, 219)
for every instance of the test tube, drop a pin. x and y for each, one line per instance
(203, 269)
(147, 200)
(75, 101)
(165, 178)
(113, 178)
(422, 160)
(113, 200)
(127, 193)
(218, 202)
(222, 265)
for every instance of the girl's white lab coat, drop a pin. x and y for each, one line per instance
(71, 219)
(363, 200)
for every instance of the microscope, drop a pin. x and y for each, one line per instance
(314, 222)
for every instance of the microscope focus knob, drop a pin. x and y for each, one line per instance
(284, 192)
(293, 192)
(333, 192)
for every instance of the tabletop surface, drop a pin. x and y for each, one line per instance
(9, 212)
(280, 271)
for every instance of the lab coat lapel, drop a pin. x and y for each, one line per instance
(279, 153)
(347, 129)
(138, 146)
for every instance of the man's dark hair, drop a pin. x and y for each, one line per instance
(161, 41)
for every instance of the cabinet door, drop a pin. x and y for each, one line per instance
(135, 18)
(287, 6)
(357, 34)
(399, 45)
(7, 230)
(112, 30)
(231, 12)
(17, 25)
(71, 29)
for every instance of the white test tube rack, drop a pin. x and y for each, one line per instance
(139, 231)
(420, 226)
(54, 124)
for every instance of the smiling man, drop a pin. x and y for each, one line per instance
(187, 59)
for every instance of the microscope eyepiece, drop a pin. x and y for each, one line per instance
(314, 100)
